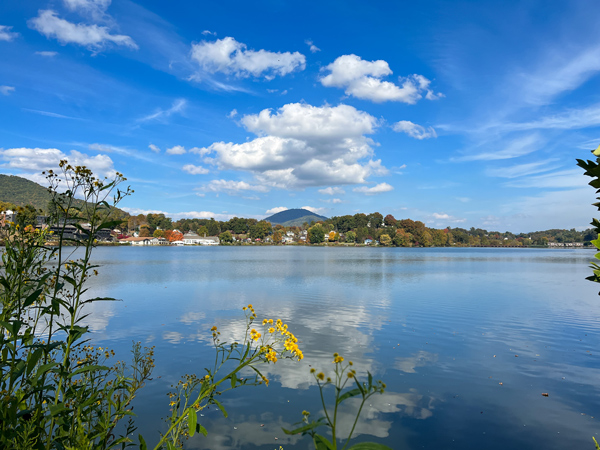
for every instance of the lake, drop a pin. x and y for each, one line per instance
(466, 339)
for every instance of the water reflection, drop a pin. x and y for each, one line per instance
(440, 326)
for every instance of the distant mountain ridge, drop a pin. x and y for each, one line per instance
(294, 217)
(21, 192)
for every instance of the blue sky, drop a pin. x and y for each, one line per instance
(453, 113)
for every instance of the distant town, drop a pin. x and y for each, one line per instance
(301, 227)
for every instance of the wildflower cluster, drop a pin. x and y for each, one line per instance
(343, 374)
(266, 344)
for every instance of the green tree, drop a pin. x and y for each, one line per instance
(159, 233)
(316, 234)
(226, 237)
(202, 231)
(350, 236)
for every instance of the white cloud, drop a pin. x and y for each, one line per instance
(37, 160)
(313, 47)
(6, 34)
(363, 79)
(276, 210)
(414, 130)
(517, 147)
(231, 57)
(180, 215)
(154, 148)
(6, 90)
(94, 8)
(332, 191)
(231, 187)
(521, 170)
(336, 200)
(176, 107)
(47, 54)
(232, 114)
(312, 209)
(563, 179)
(92, 36)
(176, 150)
(378, 189)
(195, 170)
(560, 71)
(447, 218)
(208, 32)
(199, 151)
(302, 145)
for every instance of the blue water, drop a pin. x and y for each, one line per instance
(467, 340)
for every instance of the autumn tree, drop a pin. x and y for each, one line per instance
(403, 238)
(384, 239)
(389, 221)
(158, 233)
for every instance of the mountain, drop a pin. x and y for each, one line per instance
(21, 192)
(294, 217)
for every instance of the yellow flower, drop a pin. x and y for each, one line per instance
(350, 375)
(313, 370)
(271, 330)
(321, 376)
(214, 328)
(338, 359)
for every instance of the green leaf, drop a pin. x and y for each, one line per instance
(33, 360)
(170, 446)
(370, 380)
(192, 420)
(233, 380)
(32, 298)
(303, 429)
(352, 393)
(201, 429)
(220, 407)
(369, 446)
(93, 367)
(323, 443)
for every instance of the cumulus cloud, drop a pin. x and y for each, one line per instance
(447, 218)
(315, 210)
(7, 90)
(276, 210)
(92, 36)
(363, 79)
(414, 130)
(36, 160)
(231, 187)
(231, 57)
(47, 54)
(301, 145)
(154, 148)
(332, 191)
(176, 150)
(180, 215)
(195, 170)
(6, 34)
(377, 189)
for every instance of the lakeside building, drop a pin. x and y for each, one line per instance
(191, 238)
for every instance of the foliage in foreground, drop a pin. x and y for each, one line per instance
(57, 391)
(344, 374)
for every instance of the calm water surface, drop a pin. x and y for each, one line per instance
(467, 340)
